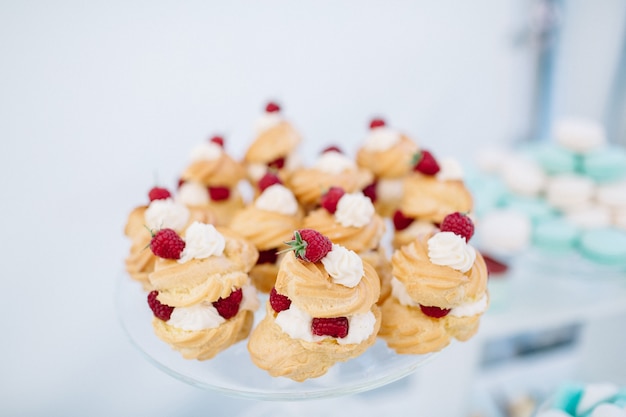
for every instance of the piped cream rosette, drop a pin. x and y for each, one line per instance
(355, 225)
(159, 214)
(339, 287)
(439, 292)
(212, 268)
(268, 222)
(273, 148)
(331, 169)
(387, 154)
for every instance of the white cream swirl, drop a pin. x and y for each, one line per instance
(201, 241)
(344, 266)
(398, 290)
(334, 163)
(196, 317)
(192, 194)
(166, 214)
(354, 210)
(207, 151)
(267, 121)
(277, 198)
(360, 327)
(380, 139)
(449, 249)
(450, 170)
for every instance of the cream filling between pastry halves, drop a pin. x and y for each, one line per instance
(297, 324)
(203, 315)
(398, 290)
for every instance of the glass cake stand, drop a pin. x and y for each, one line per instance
(233, 373)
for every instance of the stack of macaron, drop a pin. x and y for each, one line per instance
(564, 196)
(586, 400)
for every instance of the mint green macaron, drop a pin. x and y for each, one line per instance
(605, 165)
(605, 246)
(556, 236)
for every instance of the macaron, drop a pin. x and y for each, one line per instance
(556, 236)
(605, 165)
(524, 176)
(537, 209)
(612, 195)
(504, 232)
(569, 191)
(579, 135)
(590, 217)
(555, 159)
(605, 246)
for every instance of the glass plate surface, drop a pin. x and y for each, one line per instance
(233, 373)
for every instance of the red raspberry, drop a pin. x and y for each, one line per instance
(278, 301)
(159, 193)
(332, 148)
(370, 192)
(267, 256)
(219, 193)
(434, 312)
(377, 123)
(330, 199)
(228, 307)
(167, 244)
(400, 221)
(424, 162)
(218, 140)
(334, 326)
(272, 107)
(459, 224)
(310, 245)
(160, 310)
(277, 163)
(493, 266)
(267, 180)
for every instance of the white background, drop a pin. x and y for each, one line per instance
(100, 99)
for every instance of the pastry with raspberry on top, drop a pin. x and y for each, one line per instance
(387, 154)
(322, 310)
(211, 180)
(268, 223)
(202, 301)
(439, 290)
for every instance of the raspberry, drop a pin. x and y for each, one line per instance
(332, 148)
(218, 140)
(160, 310)
(167, 244)
(272, 107)
(310, 245)
(277, 163)
(228, 307)
(330, 199)
(377, 123)
(267, 180)
(267, 256)
(370, 192)
(219, 193)
(400, 221)
(158, 193)
(494, 266)
(434, 312)
(335, 326)
(424, 162)
(278, 301)
(459, 224)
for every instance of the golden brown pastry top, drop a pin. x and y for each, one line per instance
(265, 229)
(435, 285)
(358, 239)
(223, 171)
(394, 162)
(183, 284)
(429, 198)
(276, 142)
(309, 184)
(311, 288)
